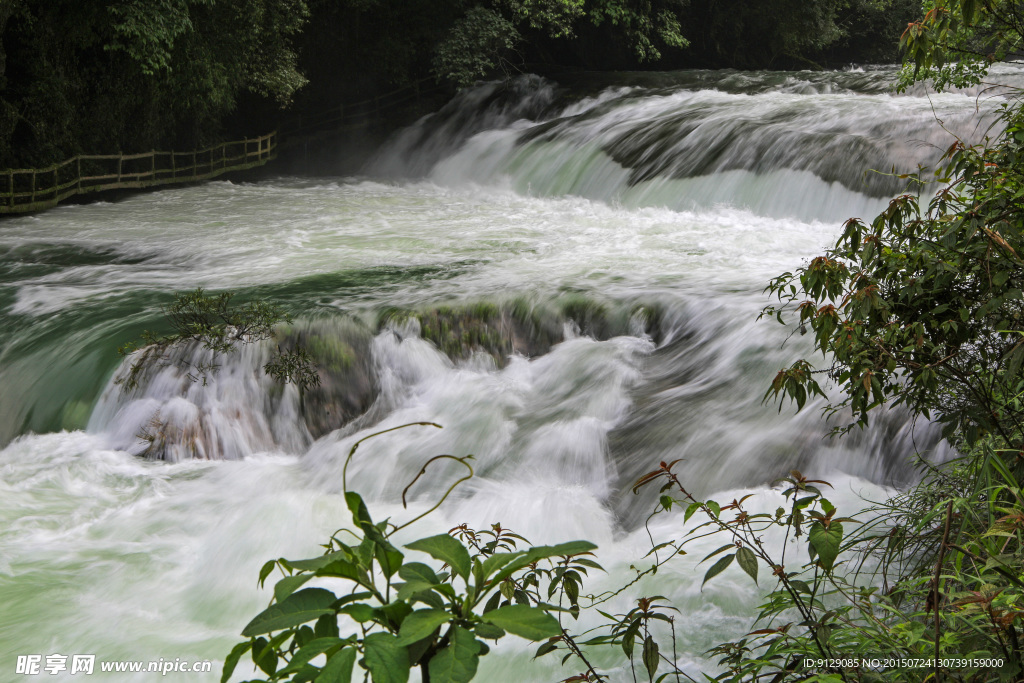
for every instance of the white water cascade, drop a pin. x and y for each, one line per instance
(613, 239)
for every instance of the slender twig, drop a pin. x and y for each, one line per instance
(935, 584)
(461, 461)
(352, 451)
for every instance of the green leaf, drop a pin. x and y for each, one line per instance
(339, 667)
(456, 663)
(650, 656)
(388, 556)
(359, 612)
(232, 660)
(308, 652)
(360, 514)
(968, 10)
(305, 635)
(497, 561)
(826, 542)
(717, 568)
(417, 571)
(524, 621)
(387, 661)
(411, 588)
(288, 585)
(306, 605)
(389, 559)
(445, 548)
(690, 509)
(346, 570)
(420, 624)
(488, 631)
(307, 674)
(747, 561)
(725, 547)
(326, 627)
(629, 637)
(300, 607)
(493, 602)
(571, 548)
(314, 563)
(264, 655)
(265, 570)
(572, 591)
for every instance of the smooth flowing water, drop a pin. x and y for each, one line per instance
(566, 279)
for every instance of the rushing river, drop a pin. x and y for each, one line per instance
(610, 243)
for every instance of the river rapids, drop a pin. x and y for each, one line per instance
(566, 277)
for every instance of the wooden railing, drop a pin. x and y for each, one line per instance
(34, 189)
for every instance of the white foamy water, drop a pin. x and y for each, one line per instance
(679, 198)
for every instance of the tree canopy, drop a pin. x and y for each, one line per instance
(956, 41)
(923, 306)
(102, 76)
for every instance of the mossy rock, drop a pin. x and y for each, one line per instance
(340, 351)
(330, 353)
(463, 330)
(521, 326)
(591, 316)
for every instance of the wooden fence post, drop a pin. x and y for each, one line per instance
(39, 194)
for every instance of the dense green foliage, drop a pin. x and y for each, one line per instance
(213, 323)
(796, 33)
(488, 35)
(957, 40)
(923, 307)
(462, 40)
(104, 76)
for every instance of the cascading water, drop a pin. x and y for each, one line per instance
(566, 279)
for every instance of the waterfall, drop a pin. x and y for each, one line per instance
(566, 276)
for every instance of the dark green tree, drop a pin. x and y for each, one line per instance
(99, 76)
(956, 41)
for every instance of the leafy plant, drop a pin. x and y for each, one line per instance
(923, 307)
(213, 323)
(956, 41)
(397, 614)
